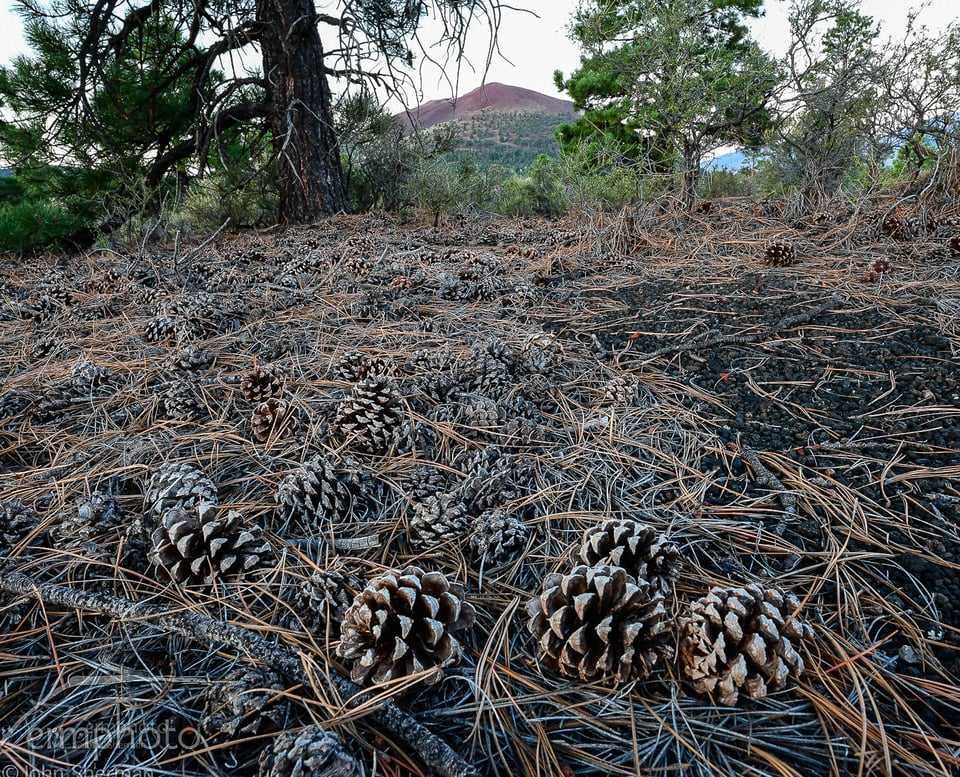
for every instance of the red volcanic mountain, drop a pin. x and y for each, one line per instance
(495, 98)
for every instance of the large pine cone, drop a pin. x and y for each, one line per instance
(245, 703)
(403, 623)
(368, 418)
(599, 623)
(193, 551)
(640, 549)
(736, 642)
(310, 752)
(180, 485)
(438, 520)
(261, 384)
(317, 491)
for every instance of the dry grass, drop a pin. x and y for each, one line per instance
(879, 695)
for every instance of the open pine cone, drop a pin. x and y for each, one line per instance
(310, 752)
(261, 384)
(640, 549)
(248, 702)
(317, 491)
(736, 642)
(403, 623)
(438, 520)
(368, 418)
(193, 549)
(274, 416)
(599, 623)
(780, 255)
(180, 485)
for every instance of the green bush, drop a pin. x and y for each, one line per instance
(211, 202)
(726, 183)
(31, 225)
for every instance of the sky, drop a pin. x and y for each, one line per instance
(532, 47)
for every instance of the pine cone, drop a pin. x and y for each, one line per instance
(954, 245)
(599, 623)
(181, 401)
(403, 623)
(246, 703)
(180, 485)
(736, 642)
(780, 255)
(187, 363)
(540, 354)
(478, 413)
(492, 480)
(438, 520)
(640, 549)
(499, 537)
(316, 492)
(490, 369)
(310, 752)
(44, 346)
(368, 418)
(17, 521)
(159, 329)
(322, 601)
(95, 516)
(274, 417)
(894, 226)
(54, 403)
(86, 377)
(622, 390)
(354, 366)
(194, 550)
(261, 384)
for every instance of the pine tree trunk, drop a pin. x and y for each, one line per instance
(301, 112)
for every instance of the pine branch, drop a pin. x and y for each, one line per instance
(433, 751)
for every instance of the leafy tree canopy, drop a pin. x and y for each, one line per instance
(153, 88)
(668, 80)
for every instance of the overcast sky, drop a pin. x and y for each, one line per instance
(532, 48)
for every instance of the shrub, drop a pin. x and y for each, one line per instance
(31, 225)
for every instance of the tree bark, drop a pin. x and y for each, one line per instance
(301, 112)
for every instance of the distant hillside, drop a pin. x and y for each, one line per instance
(499, 124)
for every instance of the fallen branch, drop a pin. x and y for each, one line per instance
(432, 750)
(766, 478)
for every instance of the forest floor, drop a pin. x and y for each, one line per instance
(476, 400)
